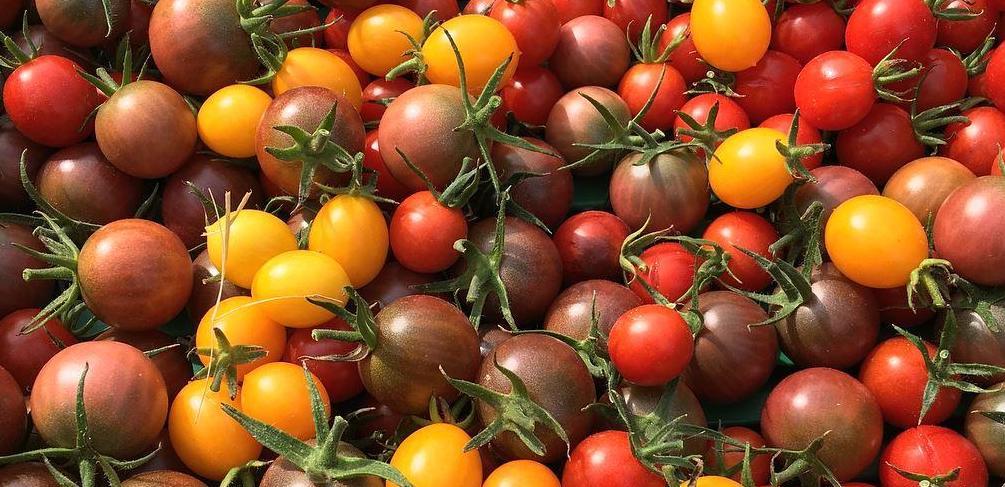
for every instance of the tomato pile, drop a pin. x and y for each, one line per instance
(502, 243)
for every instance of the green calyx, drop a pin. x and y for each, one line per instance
(224, 359)
(795, 153)
(942, 480)
(364, 327)
(88, 460)
(929, 124)
(977, 61)
(631, 261)
(15, 56)
(933, 283)
(416, 63)
(459, 192)
(269, 46)
(802, 240)
(104, 81)
(362, 184)
(647, 51)
(715, 81)
(803, 465)
(941, 11)
(793, 288)
(705, 136)
(516, 412)
(892, 70)
(321, 462)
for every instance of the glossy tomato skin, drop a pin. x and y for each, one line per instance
(731, 115)
(374, 39)
(961, 225)
(895, 373)
(547, 197)
(643, 401)
(747, 171)
(14, 417)
(172, 363)
(205, 294)
(243, 324)
(376, 92)
(877, 27)
(445, 9)
(922, 185)
(807, 134)
(590, 246)
(880, 144)
(606, 459)
(945, 80)
(483, 42)
(340, 379)
(985, 433)
(162, 477)
(767, 87)
(813, 401)
(835, 185)
(976, 343)
(650, 345)
(637, 86)
(282, 284)
(121, 381)
(591, 51)
(805, 31)
(932, 450)
(574, 120)
(80, 183)
(336, 35)
(12, 144)
(84, 23)
(434, 456)
(522, 473)
(55, 112)
(750, 231)
(894, 308)
(535, 27)
(731, 360)
(228, 119)
(670, 191)
(310, 66)
(731, 456)
(834, 90)
(976, 144)
(685, 57)
(968, 34)
(245, 252)
(669, 270)
(352, 230)
(572, 311)
(387, 185)
(423, 232)
(531, 94)
(276, 393)
(24, 355)
(731, 35)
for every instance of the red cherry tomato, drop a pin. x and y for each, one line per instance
(895, 373)
(670, 269)
(650, 345)
(835, 90)
(340, 379)
(387, 185)
(24, 355)
(804, 31)
(336, 34)
(606, 459)
(375, 94)
(807, 134)
(767, 87)
(880, 143)
(49, 102)
(932, 450)
(750, 231)
(531, 94)
(631, 15)
(423, 232)
(637, 86)
(877, 27)
(534, 24)
(976, 143)
(685, 57)
(967, 35)
(731, 115)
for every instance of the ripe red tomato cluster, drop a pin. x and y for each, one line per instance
(501, 243)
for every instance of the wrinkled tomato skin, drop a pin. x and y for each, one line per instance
(670, 191)
(12, 145)
(423, 232)
(387, 185)
(379, 89)
(393, 282)
(895, 373)
(685, 57)
(135, 275)
(834, 90)
(731, 360)
(340, 379)
(590, 246)
(573, 120)
(13, 414)
(805, 31)
(760, 465)
(807, 134)
(895, 310)
(986, 433)
(204, 295)
(968, 34)
(591, 51)
(922, 185)
(571, 312)
(976, 343)
(811, 402)
(932, 450)
(15, 293)
(547, 197)
(835, 185)
(750, 231)
(55, 111)
(570, 9)
(976, 144)
(766, 88)
(731, 115)
(669, 269)
(945, 80)
(877, 27)
(605, 459)
(531, 94)
(964, 227)
(880, 143)
(637, 86)
(80, 183)
(533, 23)
(24, 355)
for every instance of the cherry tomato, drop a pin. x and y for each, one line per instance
(531, 94)
(932, 450)
(361, 75)
(967, 35)
(944, 82)
(522, 473)
(570, 9)
(631, 15)
(650, 345)
(877, 27)
(24, 355)
(423, 232)
(805, 31)
(379, 92)
(747, 171)
(605, 459)
(766, 88)
(669, 269)
(731, 456)
(807, 134)
(731, 35)
(685, 57)
(434, 456)
(228, 120)
(336, 35)
(253, 238)
(834, 90)
(875, 241)
(377, 40)
(352, 230)
(241, 320)
(484, 44)
(282, 285)
(712, 481)
(750, 231)
(730, 116)
(340, 379)
(49, 102)
(277, 394)
(637, 86)
(977, 143)
(880, 144)
(310, 66)
(387, 186)
(534, 25)
(896, 375)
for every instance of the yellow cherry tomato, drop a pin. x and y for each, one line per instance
(377, 39)
(207, 440)
(284, 283)
(277, 394)
(434, 456)
(875, 241)
(228, 119)
(484, 43)
(713, 481)
(522, 473)
(353, 231)
(310, 66)
(747, 171)
(731, 35)
(255, 237)
(243, 323)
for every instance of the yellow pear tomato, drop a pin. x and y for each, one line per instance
(284, 283)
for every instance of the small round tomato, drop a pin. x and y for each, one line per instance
(379, 92)
(387, 185)
(522, 473)
(805, 31)
(310, 66)
(807, 134)
(766, 88)
(535, 27)
(875, 241)
(282, 285)
(896, 375)
(434, 456)
(685, 57)
(340, 379)
(835, 90)
(732, 456)
(731, 35)
(483, 43)
(932, 450)
(205, 438)
(750, 231)
(277, 394)
(351, 230)
(243, 323)
(23, 355)
(637, 86)
(606, 459)
(730, 116)
(650, 345)
(50, 102)
(877, 27)
(423, 232)
(747, 171)
(377, 40)
(228, 120)
(669, 269)
(253, 238)
(531, 94)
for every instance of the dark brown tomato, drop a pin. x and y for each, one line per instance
(80, 183)
(199, 45)
(945, 80)
(420, 123)
(283, 473)
(556, 379)
(305, 107)
(547, 197)
(10, 10)
(124, 396)
(976, 343)
(183, 212)
(49, 44)
(671, 191)
(986, 434)
(164, 459)
(139, 23)
(812, 402)
(835, 185)
(445, 9)
(174, 367)
(922, 185)
(146, 129)
(967, 227)
(968, 34)
(15, 293)
(491, 336)
(24, 355)
(12, 145)
(879, 144)
(163, 478)
(643, 400)
(531, 269)
(298, 21)
(766, 88)
(84, 23)
(977, 143)
(806, 31)
(416, 335)
(574, 120)
(572, 312)
(590, 246)
(835, 327)
(135, 275)
(392, 283)
(731, 361)
(591, 51)
(204, 294)
(31, 474)
(894, 308)
(13, 414)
